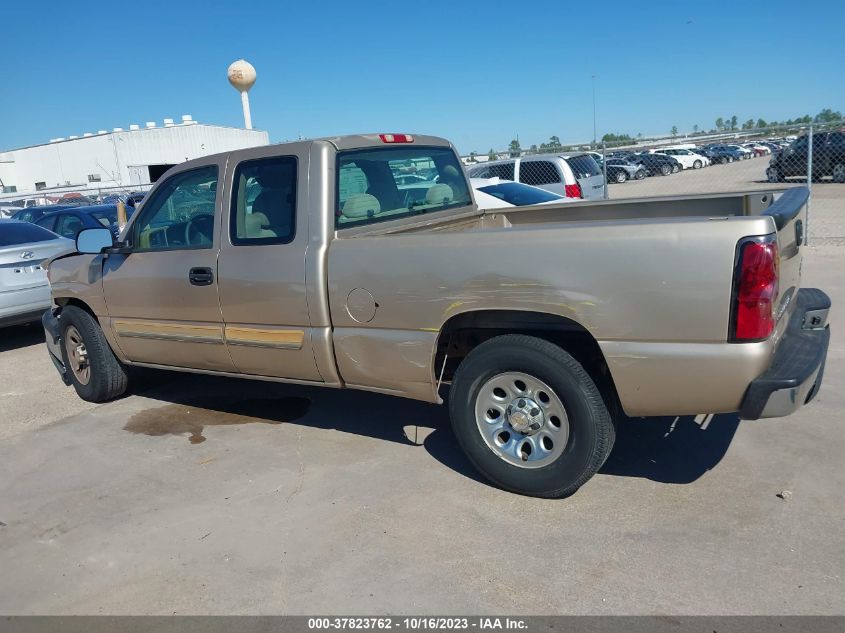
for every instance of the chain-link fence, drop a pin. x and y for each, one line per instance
(742, 160)
(13, 202)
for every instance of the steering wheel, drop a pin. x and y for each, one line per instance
(199, 229)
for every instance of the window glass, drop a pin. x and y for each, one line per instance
(505, 171)
(12, 233)
(47, 222)
(538, 172)
(370, 184)
(107, 218)
(181, 213)
(264, 201)
(518, 194)
(583, 166)
(68, 226)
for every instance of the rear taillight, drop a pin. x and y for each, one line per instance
(396, 138)
(572, 191)
(755, 289)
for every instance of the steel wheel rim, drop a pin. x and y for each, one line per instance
(839, 173)
(77, 355)
(504, 414)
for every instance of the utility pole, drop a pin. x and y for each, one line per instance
(594, 110)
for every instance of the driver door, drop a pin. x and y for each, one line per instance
(162, 295)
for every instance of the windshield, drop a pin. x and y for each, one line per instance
(12, 233)
(373, 185)
(106, 218)
(518, 194)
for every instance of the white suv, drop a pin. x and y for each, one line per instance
(569, 175)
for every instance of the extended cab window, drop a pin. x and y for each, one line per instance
(371, 186)
(538, 172)
(181, 213)
(264, 201)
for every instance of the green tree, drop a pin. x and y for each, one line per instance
(674, 130)
(472, 158)
(761, 123)
(733, 122)
(720, 123)
(749, 124)
(514, 149)
(695, 128)
(828, 116)
(491, 155)
(533, 149)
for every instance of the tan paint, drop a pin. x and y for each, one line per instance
(258, 337)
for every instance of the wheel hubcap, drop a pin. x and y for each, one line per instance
(77, 355)
(521, 419)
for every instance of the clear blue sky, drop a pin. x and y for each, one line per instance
(476, 72)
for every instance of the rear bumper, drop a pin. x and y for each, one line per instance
(795, 374)
(53, 338)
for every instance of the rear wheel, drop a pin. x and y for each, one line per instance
(95, 372)
(529, 417)
(773, 175)
(621, 176)
(838, 172)
(640, 174)
(665, 170)
(696, 164)
(676, 168)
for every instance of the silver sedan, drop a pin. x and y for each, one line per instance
(24, 289)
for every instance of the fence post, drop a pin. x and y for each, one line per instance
(809, 183)
(604, 166)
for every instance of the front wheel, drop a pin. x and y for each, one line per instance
(838, 173)
(676, 169)
(773, 175)
(640, 174)
(621, 177)
(665, 170)
(95, 372)
(696, 164)
(529, 417)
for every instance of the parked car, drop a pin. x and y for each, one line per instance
(24, 289)
(495, 193)
(542, 323)
(620, 169)
(655, 164)
(828, 158)
(744, 151)
(8, 209)
(687, 158)
(33, 214)
(70, 221)
(569, 175)
(131, 199)
(724, 154)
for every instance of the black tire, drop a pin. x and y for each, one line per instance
(696, 164)
(665, 170)
(773, 174)
(621, 176)
(108, 378)
(641, 174)
(676, 169)
(591, 429)
(838, 172)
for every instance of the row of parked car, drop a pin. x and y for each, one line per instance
(40, 205)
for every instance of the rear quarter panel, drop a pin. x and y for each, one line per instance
(655, 295)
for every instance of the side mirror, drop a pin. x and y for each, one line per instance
(93, 241)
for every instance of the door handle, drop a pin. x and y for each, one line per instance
(201, 276)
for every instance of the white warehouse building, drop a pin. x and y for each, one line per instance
(126, 159)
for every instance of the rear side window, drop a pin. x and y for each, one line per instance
(583, 166)
(372, 184)
(264, 201)
(12, 233)
(504, 171)
(538, 172)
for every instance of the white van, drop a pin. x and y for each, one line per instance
(570, 175)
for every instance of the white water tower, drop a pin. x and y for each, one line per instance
(241, 75)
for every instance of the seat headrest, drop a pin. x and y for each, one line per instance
(361, 205)
(449, 172)
(439, 194)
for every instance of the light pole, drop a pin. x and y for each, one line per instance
(594, 109)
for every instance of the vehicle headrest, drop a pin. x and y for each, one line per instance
(361, 205)
(439, 194)
(450, 172)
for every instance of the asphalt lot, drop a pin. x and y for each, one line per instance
(202, 495)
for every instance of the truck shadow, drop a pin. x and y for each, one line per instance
(18, 336)
(668, 450)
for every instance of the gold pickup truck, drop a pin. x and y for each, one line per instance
(320, 262)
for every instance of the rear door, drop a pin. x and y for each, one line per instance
(162, 295)
(588, 175)
(261, 268)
